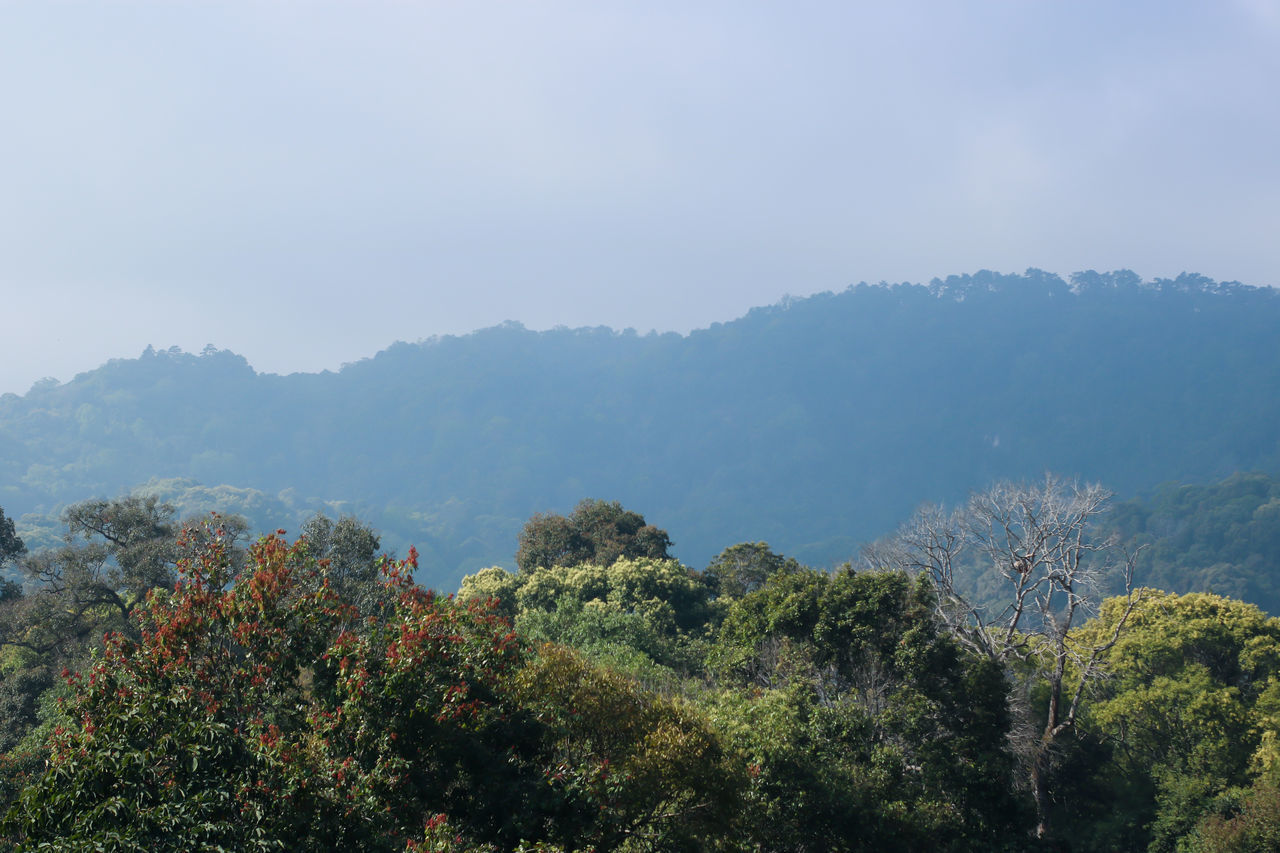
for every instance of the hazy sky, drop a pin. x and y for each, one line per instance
(306, 182)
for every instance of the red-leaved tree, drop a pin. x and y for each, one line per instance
(255, 712)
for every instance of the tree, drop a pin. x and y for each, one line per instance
(655, 607)
(652, 773)
(116, 551)
(1190, 712)
(597, 532)
(869, 726)
(1036, 541)
(139, 533)
(246, 716)
(346, 551)
(75, 598)
(11, 545)
(745, 567)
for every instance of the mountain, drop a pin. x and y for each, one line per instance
(814, 424)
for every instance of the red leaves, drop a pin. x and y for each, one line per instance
(270, 737)
(265, 684)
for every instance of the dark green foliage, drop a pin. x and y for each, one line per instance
(1187, 719)
(20, 692)
(596, 532)
(1223, 538)
(139, 533)
(249, 716)
(875, 730)
(293, 701)
(115, 552)
(346, 552)
(242, 718)
(11, 545)
(1242, 821)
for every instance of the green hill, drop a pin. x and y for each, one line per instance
(814, 424)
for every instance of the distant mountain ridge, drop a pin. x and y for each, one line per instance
(814, 424)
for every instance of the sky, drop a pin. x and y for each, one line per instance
(307, 182)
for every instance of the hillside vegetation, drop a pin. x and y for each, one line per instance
(306, 695)
(815, 424)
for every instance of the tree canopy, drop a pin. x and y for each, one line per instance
(308, 695)
(596, 532)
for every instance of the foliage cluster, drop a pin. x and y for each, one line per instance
(259, 710)
(308, 696)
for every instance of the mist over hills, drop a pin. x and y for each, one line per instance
(814, 424)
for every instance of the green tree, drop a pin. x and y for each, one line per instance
(652, 773)
(1245, 821)
(656, 607)
(1190, 710)
(870, 727)
(346, 552)
(139, 533)
(597, 532)
(115, 552)
(246, 694)
(745, 567)
(11, 545)
(248, 714)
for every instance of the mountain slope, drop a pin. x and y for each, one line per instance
(815, 423)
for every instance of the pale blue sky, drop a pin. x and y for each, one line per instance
(306, 182)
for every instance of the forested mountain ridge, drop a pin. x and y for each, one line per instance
(815, 423)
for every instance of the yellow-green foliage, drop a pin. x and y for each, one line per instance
(654, 764)
(1190, 709)
(664, 592)
(1193, 682)
(493, 583)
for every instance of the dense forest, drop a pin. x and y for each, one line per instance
(172, 686)
(816, 424)
(374, 609)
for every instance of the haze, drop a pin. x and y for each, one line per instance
(304, 183)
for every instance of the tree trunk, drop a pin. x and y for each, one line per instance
(1039, 787)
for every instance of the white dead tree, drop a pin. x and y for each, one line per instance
(1049, 576)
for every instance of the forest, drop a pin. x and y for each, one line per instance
(994, 675)
(795, 582)
(815, 424)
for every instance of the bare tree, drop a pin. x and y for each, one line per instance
(1050, 575)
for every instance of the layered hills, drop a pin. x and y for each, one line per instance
(815, 423)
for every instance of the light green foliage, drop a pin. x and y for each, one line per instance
(656, 608)
(757, 640)
(494, 583)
